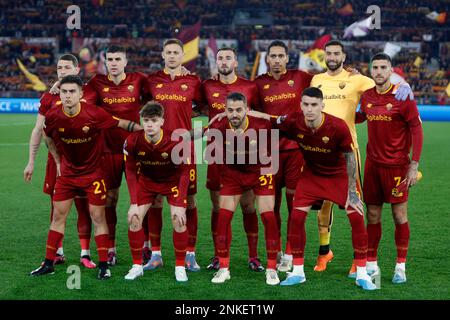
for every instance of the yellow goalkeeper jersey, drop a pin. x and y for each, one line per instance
(341, 95)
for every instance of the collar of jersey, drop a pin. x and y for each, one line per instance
(168, 74)
(271, 75)
(234, 80)
(384, 92)
(157, 142)
(123, 77)
(68, 115)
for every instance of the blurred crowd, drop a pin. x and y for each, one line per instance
(142, 25)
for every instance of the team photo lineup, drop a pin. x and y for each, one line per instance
(278, 141)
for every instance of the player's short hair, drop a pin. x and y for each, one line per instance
(116, 49)
(69, 57)
(152, 109)
(173, 41)
(229, 49)
(72, 79)
(335, 43)
(313, 92)
(381, 56)
(277, 43)
(237, 96)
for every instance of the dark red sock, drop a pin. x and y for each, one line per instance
(52, 208)
(223, 231)
(277, 211)
(251, 229)
(374, 237)
(214, 218)
(84, 223)
(53, 239)
(289, 201)
(136, 240)
(402, 241)
(111, 220)
(297, 235)
(155, 227)
(192, 223)
(180, 241)
(272, 239)
(101, 241)
(359, 236)
(145, 227)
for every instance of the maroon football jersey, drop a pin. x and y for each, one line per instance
(176, 96)
(153, 160)
(283, 96)
(123, 101)
(244, 148)
(322, 149)
(215, 93)
(77, 137)
(389, 123)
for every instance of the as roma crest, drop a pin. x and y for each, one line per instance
(130, 88)
(164, 155)
(342, 85)
(389, 106)
(85, 129)
(184, 87)
(325, 139)
(291, 83)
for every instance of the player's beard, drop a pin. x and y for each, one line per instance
(380, 82)
(335, 67)
(225, 72)
(236, 122)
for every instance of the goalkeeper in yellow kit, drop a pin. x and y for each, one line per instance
(342, 92)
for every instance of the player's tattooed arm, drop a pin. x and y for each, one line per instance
(353, 199)
(129, 125)
(35, 142)
(54, 152)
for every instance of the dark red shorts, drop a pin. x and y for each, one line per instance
(236, 182)
(383, 184)
(50, 176)
(148, 190)
(113, 167)
(93, 185)
(312, 189)
(213, 176)
(290, 168)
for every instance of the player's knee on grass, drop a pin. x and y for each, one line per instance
(373, 214)
(400, 212)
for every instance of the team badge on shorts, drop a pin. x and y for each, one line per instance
(389, 106)
(184, 87)
(130, 88)
(325, 139)
(342, 85)
(85, 129)
(291, 83)
(164, 155)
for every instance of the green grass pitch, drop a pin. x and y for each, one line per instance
(24, 214)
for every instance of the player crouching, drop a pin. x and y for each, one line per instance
(151, 171)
